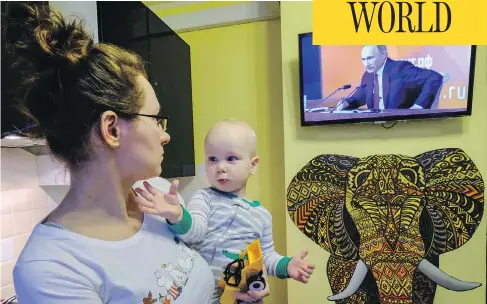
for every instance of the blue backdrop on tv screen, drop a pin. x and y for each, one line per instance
(311, 68)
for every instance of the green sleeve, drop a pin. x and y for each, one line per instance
(184, 225)
(281, 268)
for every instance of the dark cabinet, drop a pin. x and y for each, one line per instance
(133, 26)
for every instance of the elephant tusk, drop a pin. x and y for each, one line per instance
(443, 279)
(357, 277)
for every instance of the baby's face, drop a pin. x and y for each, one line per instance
(229, 160)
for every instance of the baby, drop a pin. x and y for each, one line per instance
(220, 221)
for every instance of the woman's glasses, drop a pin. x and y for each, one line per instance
(161, 120)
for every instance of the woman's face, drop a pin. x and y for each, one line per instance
(141, 148)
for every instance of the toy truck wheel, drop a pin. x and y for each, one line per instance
(256, 282)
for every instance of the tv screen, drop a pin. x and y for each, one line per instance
(375, 83)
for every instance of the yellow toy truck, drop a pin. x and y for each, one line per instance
(243, 274)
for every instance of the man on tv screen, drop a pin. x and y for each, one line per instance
(392, 84)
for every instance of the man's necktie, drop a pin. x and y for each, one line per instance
(376, 91)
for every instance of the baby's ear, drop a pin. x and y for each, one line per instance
(255, 164)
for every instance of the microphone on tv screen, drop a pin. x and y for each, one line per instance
(316, 107)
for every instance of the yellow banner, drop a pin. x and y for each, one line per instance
(448, 22)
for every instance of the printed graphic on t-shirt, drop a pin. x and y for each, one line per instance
(172, 276)
(149, 299)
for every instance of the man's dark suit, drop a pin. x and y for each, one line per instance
(403, 85)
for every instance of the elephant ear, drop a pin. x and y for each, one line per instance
(315, 202)
(454, 195)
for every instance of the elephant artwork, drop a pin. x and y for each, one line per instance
(385, 219)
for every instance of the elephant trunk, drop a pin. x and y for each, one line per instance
(430, 270)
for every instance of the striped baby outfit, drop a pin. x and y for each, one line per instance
(220, 225)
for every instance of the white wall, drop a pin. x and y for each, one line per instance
(22, 205)
(85, 10)
(188, 185)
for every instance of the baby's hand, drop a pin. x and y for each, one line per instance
(299, 269)
(157, 203)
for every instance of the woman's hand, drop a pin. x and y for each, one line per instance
(157, 203)
(255, 296)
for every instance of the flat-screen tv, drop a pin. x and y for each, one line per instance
(378, 83)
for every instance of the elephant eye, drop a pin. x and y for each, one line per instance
(410, 175)
(361, 178)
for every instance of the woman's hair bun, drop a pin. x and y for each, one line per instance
(66, 81)
(43, 37)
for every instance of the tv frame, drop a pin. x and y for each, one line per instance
(467, 112)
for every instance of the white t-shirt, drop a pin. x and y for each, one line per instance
(61, 267)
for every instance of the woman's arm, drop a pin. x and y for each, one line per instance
(47, 282)
(255, 296)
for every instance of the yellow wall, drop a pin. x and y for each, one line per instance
(186, 7)
(236, 72)
(303, 143)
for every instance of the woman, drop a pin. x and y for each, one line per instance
(100, 116)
